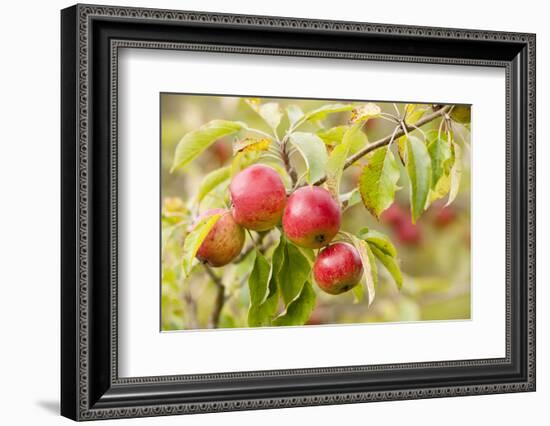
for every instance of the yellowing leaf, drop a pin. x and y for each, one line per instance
(194, 239)
(337, 160)
(441, 188)
(402, 149)
(364, 249)
(334, 135)
(365, 112)
(195, 142)
(322, 112)
(414, 112)
(251, 144)
(456, 173)
(378, 181)
(440, 154)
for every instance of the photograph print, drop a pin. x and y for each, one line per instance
(312, 212)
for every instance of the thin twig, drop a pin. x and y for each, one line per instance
(258, 244)
(288, 166)
(192, 309)
(385, 140)
(218, 301)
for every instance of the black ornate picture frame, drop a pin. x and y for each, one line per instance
(91, 37)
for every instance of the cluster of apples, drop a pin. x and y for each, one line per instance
(409, 234)
(310, 218)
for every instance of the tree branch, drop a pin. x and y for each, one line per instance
(386, 140)
(288, 166)
(219, 301)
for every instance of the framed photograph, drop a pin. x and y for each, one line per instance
(263, 212)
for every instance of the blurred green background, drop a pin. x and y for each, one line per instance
(434, 253)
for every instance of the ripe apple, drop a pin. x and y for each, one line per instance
(224, 242)
(312, 217)
(338, 268)
(258, 196)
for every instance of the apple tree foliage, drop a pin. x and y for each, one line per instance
(279, 279)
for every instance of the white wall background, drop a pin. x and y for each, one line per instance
(29, 211)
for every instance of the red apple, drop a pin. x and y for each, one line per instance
(444, 217)
(393, 215)
(258, 196)
(408, 233)
(312, 217)
(224, 242)
(338, 268)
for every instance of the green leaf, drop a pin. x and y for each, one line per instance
(258, 282)
(195, 142)
(294, 272)
(440, 154)
(334, 135)
(365, 112)
(419, 169)
(294, 113)
(299, 310)
(402, 149)
(243, 159)
(308, 253)
(414, 112)
(261, 313)
(378, 239)
(373, 266)
(322, 112)
(337, 160)
(367, 260)
(390, 263)
(270, 112)
(313, 151)
(456, 173)
(194, 240)
(441, 188)
(213, 180)
(358, 293)
(378, 181)
(351, 198)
